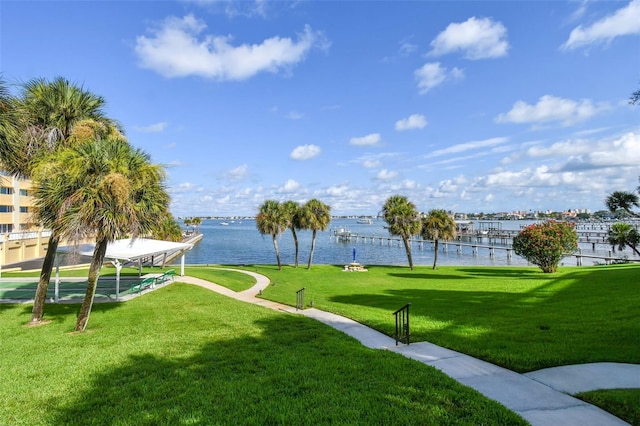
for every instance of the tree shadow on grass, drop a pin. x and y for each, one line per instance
(294, 372)
(427, 276)
(61, 312)
(579, 316)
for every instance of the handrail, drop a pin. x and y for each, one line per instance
(402, 324)
(300, 299)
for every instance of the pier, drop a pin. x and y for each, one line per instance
(493, 240)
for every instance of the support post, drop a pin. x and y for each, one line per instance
(118, 266)
(56, 292)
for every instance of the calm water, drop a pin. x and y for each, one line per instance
(240, 243)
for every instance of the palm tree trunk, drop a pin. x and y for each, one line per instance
(435, 253)
(275, 246)
(313, 247)
(634, 248)
(45, 276)
(92, 284)
(407, 247)
(295, 242)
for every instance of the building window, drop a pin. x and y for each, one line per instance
(6, 228)
(6, 209)
(24, 209)
(24, 192)
(5, 190)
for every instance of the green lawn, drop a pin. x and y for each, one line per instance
(515, 317)
(230, 279)
(624, 403)
(185, 355)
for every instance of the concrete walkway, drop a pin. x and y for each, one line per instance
(541, 397)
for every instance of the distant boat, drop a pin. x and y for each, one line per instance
(224, 223)
(365, 220)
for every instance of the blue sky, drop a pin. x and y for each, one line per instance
(468, 106)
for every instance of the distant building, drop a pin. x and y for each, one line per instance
(20, 239)
(16, 204)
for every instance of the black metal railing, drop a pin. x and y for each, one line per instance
(300, 299)
(402, 324)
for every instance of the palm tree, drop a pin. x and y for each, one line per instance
(436, 226)
(10, 129)
(402, 217)
(188, 222)
(622, 200)
(196, 221)
(272, 220)
(292, 210)
(167, 230)
(51, 112)
(315, 215)
(103, 188)
(623, 234)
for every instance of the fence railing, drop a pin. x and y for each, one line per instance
(402, 324)
(300, 299)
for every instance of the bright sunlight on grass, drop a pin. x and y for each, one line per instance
(185, 355)
(515, 317)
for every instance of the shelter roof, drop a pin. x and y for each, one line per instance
(130, 249)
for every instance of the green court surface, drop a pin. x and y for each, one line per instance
(20, 290)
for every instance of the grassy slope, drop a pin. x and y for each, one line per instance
(515, 317)
(185, 355)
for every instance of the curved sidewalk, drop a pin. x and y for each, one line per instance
(540, 397)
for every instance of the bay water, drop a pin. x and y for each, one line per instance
(238, 242)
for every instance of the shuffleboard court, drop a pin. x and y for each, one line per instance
(23, 290)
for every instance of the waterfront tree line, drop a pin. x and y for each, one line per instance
(543, 244)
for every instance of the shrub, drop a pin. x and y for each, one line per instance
(544, 244)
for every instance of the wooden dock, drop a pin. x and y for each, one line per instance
(495, 241)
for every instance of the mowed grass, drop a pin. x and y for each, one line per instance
(185, 355)
(516, 317)
(624, 403)
(232, 280)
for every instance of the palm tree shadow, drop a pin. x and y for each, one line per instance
(61, 312)
(251, 379)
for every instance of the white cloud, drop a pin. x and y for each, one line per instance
(337, 190)
(371, 164)
(406, 184)
(406, 48)
(294, 115)
(561, 149)
(151, 128)
(614, 157)
(182, 187)
(177, 48)
(385, 174)
(175, 163)
(623, 151)
(371, 139)
(625, 21)
(238, 173)
(463, 147)
(432, 74)
(552, 109)
(289, 186)
(477, 38)
(305, 152)
(414, 121)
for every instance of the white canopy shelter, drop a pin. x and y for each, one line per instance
(129, 250)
